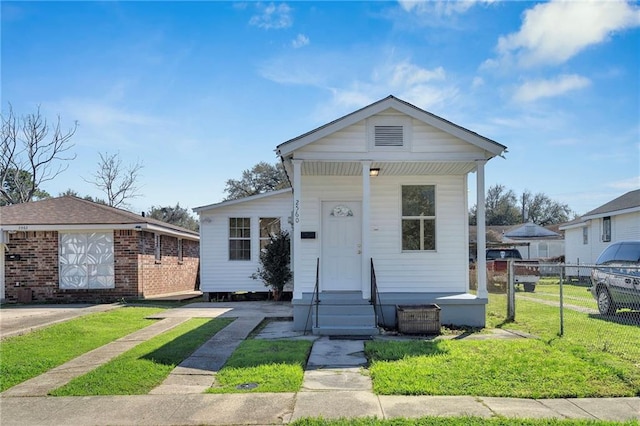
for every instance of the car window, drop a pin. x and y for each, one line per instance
(608, 255)
(628, 252)
(502, 254)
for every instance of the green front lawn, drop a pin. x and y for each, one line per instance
(597, 357)
(144, 367)
(503, 368)
(24, 357)
(259, 365)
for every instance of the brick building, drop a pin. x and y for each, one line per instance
(68, 249)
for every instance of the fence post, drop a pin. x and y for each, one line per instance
(511, 293)
(561, 300)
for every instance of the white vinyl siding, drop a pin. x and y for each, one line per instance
(217, 272)
(441, 271)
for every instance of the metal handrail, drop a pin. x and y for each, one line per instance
(315, 299)
(375, 296)
(316, 290)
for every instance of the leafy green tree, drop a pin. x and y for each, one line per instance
(32, 152)
(275, 259)
(175, 215)
(263, 177)
(544, 211)
(16, 184)
(503, 207)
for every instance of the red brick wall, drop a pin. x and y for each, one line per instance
(169, 274)
(37, 269)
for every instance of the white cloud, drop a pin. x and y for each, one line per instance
(272, 17)
(477, 82)
(626, 184)
(552, 33)
(439, 7)
(536, 89)
(300, 41)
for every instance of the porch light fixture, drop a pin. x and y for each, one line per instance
(374, 172)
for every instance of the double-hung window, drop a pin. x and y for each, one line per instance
(239, 238)
(418, 217)
(268, 226)
(606, 229)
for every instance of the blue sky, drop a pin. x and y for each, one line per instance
(200, 91)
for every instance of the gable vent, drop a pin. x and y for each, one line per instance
(389, 135)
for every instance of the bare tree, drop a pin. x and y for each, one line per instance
(33, 151)
(118, 183)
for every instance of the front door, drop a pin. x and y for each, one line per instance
(341, 246)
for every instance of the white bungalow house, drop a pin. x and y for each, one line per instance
(380, 218)
(586, 237)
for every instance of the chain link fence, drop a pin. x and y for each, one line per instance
(565, 305)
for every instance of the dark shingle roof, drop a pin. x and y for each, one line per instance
(627, 201)
(69, 210)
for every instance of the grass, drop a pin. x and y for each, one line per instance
(596, 357)
(520, 369)
(24, 357)
(144, 367)
(259, 365)
(572, 294)
(455, 421)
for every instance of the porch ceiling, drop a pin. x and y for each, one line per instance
(354, 168)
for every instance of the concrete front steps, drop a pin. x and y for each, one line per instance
(344, 314)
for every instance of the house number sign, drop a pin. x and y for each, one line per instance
(297, 211)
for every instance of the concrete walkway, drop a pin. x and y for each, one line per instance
(335, 385)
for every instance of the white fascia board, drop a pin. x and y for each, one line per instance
(101, 227)
(486, 144)
(574, 225)
(613, 213)
(202, 209)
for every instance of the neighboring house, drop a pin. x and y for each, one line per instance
(535, 242)
(233, 232)
(379, 192)
(71, 250)
(531, 240)
(587, 236)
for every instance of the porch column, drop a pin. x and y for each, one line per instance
(297, 226)
(366, 227)
(481, 259)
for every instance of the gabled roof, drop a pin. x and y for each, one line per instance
(69, 212)
(626, 203)
(242, 200)
(494, 148)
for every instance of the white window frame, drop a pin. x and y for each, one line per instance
(606, 229)
(241, 238)
(422, 220)
(263, 241)
(157, 241)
